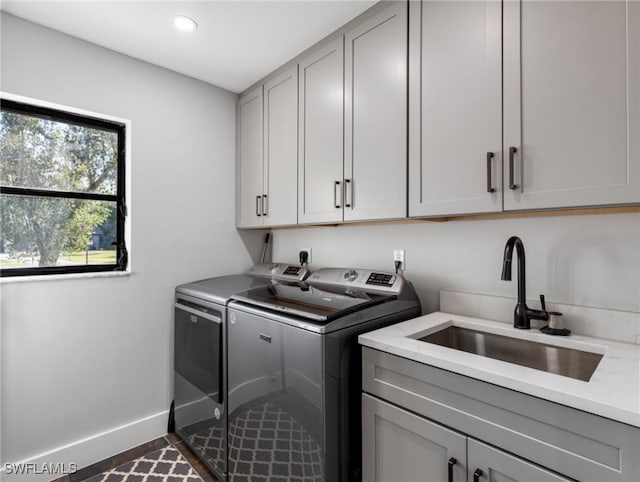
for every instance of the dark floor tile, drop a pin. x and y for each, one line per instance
(115, 478)
(195, 462)
(117, 460)
(64, 478)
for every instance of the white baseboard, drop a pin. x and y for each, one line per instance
(87, 451)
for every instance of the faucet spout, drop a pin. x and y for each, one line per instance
(523, 314)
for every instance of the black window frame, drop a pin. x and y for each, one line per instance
(58, 115)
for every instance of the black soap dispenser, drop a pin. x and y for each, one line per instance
(556, 325)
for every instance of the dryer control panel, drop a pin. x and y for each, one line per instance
(358, 278)
(280, 271)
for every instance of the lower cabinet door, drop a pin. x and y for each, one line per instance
(398, 446)
(487, 464)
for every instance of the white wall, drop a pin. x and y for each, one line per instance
(583, 260)
(85, 356)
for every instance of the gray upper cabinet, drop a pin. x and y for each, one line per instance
(455, 109)
(320, 139)
(250, 200)
(281, 149)
(449, 108)
(268, 153)
(353, 124)
(572, 103)
(375, 155)
(560, 79)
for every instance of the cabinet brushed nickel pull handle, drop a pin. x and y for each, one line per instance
(264, 205)
(335, 194)
(348, 193)
(452, 461)
(477, 474)
(512, 155)
(258, 205)
(489, 176)
(264, 337)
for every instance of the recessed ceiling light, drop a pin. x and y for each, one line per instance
(185, 24)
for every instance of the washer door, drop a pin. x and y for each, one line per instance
(276, 413)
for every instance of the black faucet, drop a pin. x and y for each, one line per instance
(523, 314)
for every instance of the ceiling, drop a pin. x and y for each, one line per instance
(236, 44)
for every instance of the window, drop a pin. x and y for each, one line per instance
(62, 204)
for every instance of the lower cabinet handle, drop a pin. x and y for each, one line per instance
(452, 461)
(258, 206)
(489, 176)
(264, 205)
(348, 193)
(512, 155)
(335, 194)
(477, 474)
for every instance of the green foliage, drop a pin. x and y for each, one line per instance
(109, 229)
(45, 154)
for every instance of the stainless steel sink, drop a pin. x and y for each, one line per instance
(567, 362)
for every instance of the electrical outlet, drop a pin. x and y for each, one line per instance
(308, 250)
(398, 255)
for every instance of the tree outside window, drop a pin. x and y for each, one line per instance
(62, 192)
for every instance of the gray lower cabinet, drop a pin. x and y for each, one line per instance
(399, 446)
(492, 465)
(417, 417)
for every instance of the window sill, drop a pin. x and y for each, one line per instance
(53, 277)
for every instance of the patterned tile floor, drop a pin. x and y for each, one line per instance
(163, 465)
(166, 459)
(266, 444)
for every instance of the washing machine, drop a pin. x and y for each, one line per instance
(294, 372)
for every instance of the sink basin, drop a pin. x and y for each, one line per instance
(563, 361)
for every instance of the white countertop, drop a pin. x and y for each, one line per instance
(612, 392)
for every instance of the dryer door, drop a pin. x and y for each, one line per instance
(200, 416)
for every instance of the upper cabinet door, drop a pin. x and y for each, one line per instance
(455, 107)
(320, 158)
(250, 165)
(375, 168)
(281, 149)
(572, 102)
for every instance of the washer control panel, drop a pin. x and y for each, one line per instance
(358, 278)
(381, 279)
